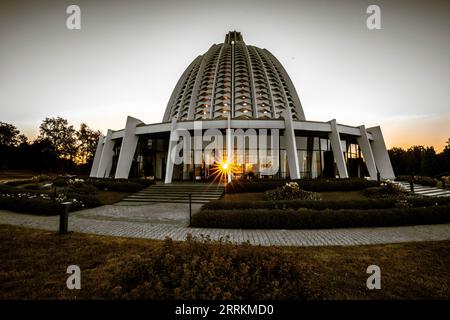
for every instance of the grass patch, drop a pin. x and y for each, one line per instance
(36, 268)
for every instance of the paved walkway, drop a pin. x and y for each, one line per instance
(114, 221)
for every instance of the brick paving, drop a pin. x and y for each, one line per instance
(81, 222)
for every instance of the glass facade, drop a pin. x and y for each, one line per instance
(315, 159)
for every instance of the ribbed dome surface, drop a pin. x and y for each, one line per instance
(234, 77)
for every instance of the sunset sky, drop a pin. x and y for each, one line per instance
(128, 56)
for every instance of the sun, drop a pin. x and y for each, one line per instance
(225, 166)
(222, 169)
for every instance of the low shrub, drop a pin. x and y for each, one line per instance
(31, 186)
(14, 190)
(291, 191)
(298, 204)
(315, 185)
(41, 178)
(30, 206)
(198, 270)
(81, 187)
(15, 183)
(320, 219)
(60, 182)
(87, 201)
(143, 182)
(329, 204)
(385, 190)
(119, 186)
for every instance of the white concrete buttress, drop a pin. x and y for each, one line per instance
(291, 146)
(105, 163)
(380, 153)
(338, 153)
(128, 148)
(172, 150)
(364, 144)
(97, 156)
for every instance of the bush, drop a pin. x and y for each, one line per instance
(386, 190)
(328, 204)
(298, 204)
(198, 270)
(119, 186)
(14, 190)
(80, 187)
(87, 201)
(291, 191)
(60, 182)
(315, 185)
(30, 206)
(16, 183)
(31, 186)
(315, 219)
(41, 178)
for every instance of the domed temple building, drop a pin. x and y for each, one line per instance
(235, 113)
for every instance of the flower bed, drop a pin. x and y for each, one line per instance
(315, 185)
(291, 191)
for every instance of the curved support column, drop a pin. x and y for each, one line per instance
(338, 153)
(105, 163)
(380, 154)
(364, 144)
(291, 146)
(171, 152)
(128, 148)
(97, 156)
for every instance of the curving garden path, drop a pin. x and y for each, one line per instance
(158, 221)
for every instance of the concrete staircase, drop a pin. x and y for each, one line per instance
(177, 193)
(424, 190)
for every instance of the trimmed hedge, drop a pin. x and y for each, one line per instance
(15, 183)
(298, 204)
(31, 206)
(117, 186)
(89, 201)
(330, 204)
(315, 219)
(15, 190)
(121, 185)
(315, 185)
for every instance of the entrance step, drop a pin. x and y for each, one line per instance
(424, 190)
(177, 193)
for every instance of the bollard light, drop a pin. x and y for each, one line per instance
(64, 218)
(190, 209)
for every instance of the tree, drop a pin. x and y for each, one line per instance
(61, 135)
(9, 135)
(398, 158)
(430, 162)
(414, 159)
(87, 143)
